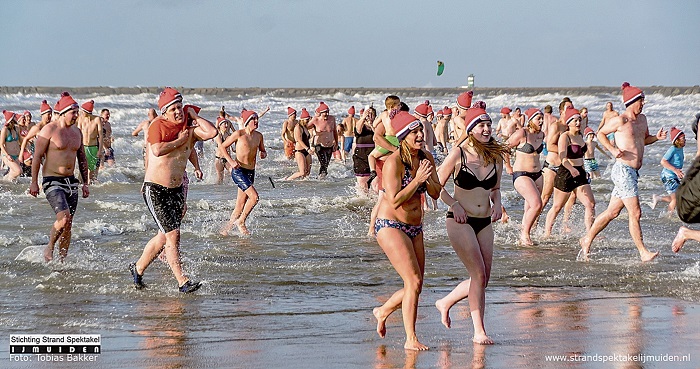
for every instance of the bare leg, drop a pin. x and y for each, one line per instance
(408, 258)
(600, 222)
(252, 200)
(529, 190)
(235, 214)
(383, 312)
(172, 253)
(445, 304)
(585, 195)
(567, 212)
(62, 219)
(560, 199)
(373, 216)
(150, 252)
(635, 214)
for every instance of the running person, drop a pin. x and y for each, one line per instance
(57, 147)
(672, 174)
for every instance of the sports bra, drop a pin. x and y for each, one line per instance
(574, 151)
(527, 147)
(467, 180)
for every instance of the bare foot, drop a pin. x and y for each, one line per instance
(413, 344)
(567, 229)
(679, 241)
(242, 228)
(381, 322)
(444, 313)
(48, 253)
(482, 339)
(525, 241)
(649, 256)
(654, 200)
(585, 245)
(225, 229)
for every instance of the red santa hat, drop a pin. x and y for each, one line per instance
(290, 111)
(221, 120)
(322, 107)
(351, 111)
(168, 97)
(304, 114)
(403, 123)
(588, 131)
(9, 116)
(479, 104)
(421, 110)
(464, 100)
(439, 114)
(475, 116)
(65, 103)
(247, 116)
(88, 106)
(571, 114)
(430, 110)
(675, 133)
(630, 94)
(505, 110)
(27, 112)
(45, 108)
(531, 113)
(446, 111)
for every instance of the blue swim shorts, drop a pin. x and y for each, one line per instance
(671, 183)
(243, 178)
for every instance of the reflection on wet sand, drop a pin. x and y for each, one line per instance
(163, 334)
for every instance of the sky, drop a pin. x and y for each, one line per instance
(353, 43)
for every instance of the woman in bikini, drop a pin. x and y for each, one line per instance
(220, 163)
(571, 176)
(302, 146)
(10, 146)
(407, 173)
(475, 164)
(527, 171)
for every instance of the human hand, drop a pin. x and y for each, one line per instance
(86, 190)
(679, 173)
(34, 189)
(198, 174)
(661, 134)
(496, 212)
(574, 172)
(459, 214)
(424, 171)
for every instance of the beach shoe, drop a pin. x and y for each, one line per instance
(190, 286)
(372, 176)
(138, 279)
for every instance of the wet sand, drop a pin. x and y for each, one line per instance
(528, 325)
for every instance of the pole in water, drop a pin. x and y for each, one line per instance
(272, 183)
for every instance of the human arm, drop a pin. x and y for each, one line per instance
(226, 144)
(610, 127)
(31, 134)
(83, 168)
(649, 139)
(139, 128)
(203, 129)
(261, 147)
(445, 172)
(433, 185)
(563, 145)
(665, 162)
(194, 159)
(261, 114)
(40, 147)
(379, 140)
(495, 196)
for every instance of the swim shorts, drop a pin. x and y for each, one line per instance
(566, 182)
(61, 192)
(347, 144)
(625, 179)
(671, 183)
(590, 165)
(165, 204)
(243, 178)
(93, 157)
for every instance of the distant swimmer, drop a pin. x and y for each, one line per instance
(631, 135)
(28, 142)
(407, 173)
(57, 147)
(248, 142)
(326, 137)
(288, 132)
(10, 146)
(171, 139)
(672, 172)
(93, 137)
(608, 114)
(475, 165)
(527, 170)
(107, 139)
(302, 146)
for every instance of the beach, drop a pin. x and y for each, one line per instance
(299, 292)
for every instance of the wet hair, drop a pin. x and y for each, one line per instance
(104, 110)
(562, 104)
(548, 109)
(391, 101)
(492, 152)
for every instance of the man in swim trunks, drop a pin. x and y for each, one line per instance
(108, 152)
(248, 142)
(326, 138)
(348, 124)
(57, 146)
(631, 135)
(171, 139)
(93, 137)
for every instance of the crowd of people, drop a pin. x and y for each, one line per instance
(405, 156)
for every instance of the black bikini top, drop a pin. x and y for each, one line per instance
(575, 151)
(467, 180)
(527, 147)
